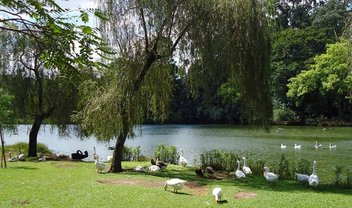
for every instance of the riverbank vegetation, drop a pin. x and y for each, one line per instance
(76, 184)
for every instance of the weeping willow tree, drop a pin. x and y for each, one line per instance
(233, 44)
(150, 36)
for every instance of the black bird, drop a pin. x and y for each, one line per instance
(79, 155)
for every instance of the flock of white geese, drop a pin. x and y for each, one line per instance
(177, 184)
(316, 146)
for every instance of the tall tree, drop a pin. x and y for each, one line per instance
(332, 15)
(47, 41)
(5, 116)
(292, 53)
(329, 76)
(147, 34)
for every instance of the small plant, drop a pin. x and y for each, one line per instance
(258, 167)
(349, 178)
(284, 168)
(338, 175)
(23, 148)
(304, 167)
(132, 153)
(166, 153)
(219, 160)
(127, 153)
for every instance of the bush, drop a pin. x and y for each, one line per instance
(258, 167)
(132, 153)
(166, 153)
(349, 179)
(23, 148)
(284, 168)
(304, 167)
(283, 114)
(219, 160)
(338, 175)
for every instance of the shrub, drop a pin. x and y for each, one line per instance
(349, 179)
(304, 167)
(166, 153)
(338, 175)
(23, 148)
(284, 168)
(283, 114)
(258, 167)
(219, 160)
(132, 153)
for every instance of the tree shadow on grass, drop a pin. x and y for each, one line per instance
(251, 182)
(23, 168)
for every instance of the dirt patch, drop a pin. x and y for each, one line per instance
(196, 188)
(133, 182)
(66, 165)
(245, 195)
(19, 202)
(193, 186)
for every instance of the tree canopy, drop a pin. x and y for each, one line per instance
(43, 55)
(330, 75)
(150, 36)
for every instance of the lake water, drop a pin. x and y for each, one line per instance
(195, 139)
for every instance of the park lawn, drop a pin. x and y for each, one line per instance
(76, 184)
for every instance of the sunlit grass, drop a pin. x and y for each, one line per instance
(76, 184)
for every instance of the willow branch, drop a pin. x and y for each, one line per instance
(178, 39)
(145, 32)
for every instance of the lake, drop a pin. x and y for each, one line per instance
(194, 139)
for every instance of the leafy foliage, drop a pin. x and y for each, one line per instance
(284, 168)
(304, 167)
(166, 153)
(5, 107)
(292, 51)
(219, 160)
(329, 75)
(132, 153)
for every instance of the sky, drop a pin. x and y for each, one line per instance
(75, 4)
(79, 4)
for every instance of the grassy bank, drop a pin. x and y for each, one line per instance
(76, 184)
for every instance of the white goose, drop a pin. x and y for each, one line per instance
(217, 193)
(313, 178)
(175, 183)
(21, 157)
(302, 177)
(182, 161)
(109, 158)
(239, 173)
(297, 147)
(283, 146)
(245, 168)
(12, 159)
(154, 168)
(317, 146)
(332, 146)
(98, 165)
(139, 168)
(270, 176)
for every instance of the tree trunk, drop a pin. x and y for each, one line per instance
(3, 156)
(32, 146)
(120, 142)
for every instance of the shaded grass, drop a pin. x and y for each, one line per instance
(72, 184)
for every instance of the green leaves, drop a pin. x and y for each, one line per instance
(327, 74)
(5, 107)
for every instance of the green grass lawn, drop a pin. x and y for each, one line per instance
(76, 184)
